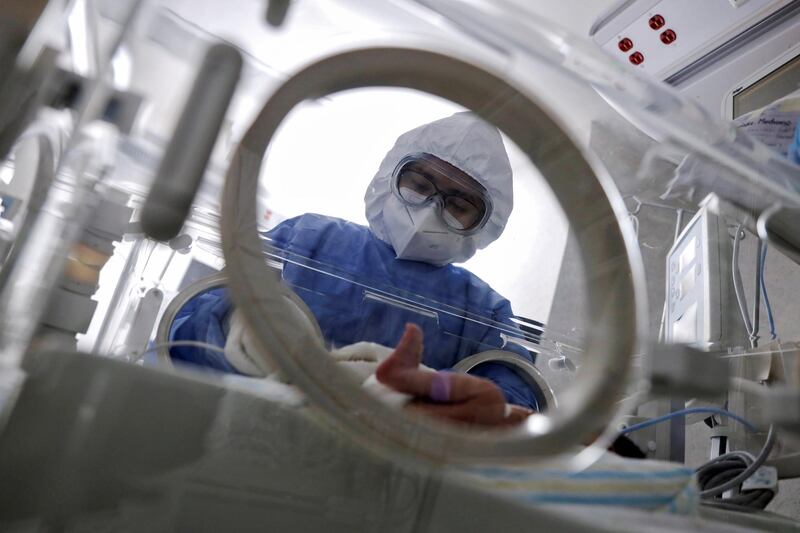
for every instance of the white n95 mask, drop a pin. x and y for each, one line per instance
(418, 234)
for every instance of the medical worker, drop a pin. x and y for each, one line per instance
(442, 192)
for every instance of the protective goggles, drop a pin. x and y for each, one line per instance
(463, 204)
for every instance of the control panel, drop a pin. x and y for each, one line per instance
(662, 37)
(698, 286)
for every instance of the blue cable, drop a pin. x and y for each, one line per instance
(772, 332)
(690, 410)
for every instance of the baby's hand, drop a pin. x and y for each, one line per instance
(454, 396)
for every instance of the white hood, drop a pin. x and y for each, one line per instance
(467, 142)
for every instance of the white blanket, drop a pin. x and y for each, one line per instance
(361, 359)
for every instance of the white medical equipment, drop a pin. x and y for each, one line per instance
(732, 58)
(697, 264)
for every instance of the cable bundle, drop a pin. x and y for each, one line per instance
(728, 472)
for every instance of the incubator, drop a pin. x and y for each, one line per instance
(195, 302)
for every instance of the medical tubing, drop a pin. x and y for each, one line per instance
(722, 504)
(736, 481)
(737, 283)
(762, 281)
(757, 299)
(722, 471)
(194, 344)
(678, 224)
(688, 411)
(755, 499)
(635, 223)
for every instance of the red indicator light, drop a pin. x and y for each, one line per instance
(625, 44)
(668, 36)
(636, 58)
(656, 22)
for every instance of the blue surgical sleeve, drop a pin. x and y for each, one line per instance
(203, 319)
(515, 389)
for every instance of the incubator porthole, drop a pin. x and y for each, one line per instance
(305, 358)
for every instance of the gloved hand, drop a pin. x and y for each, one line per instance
(449, 395)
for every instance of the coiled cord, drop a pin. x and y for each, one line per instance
(729, 471)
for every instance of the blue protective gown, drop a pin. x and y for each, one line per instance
(349, 312)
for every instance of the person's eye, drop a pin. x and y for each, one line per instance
(420, 183)
(459, 205)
